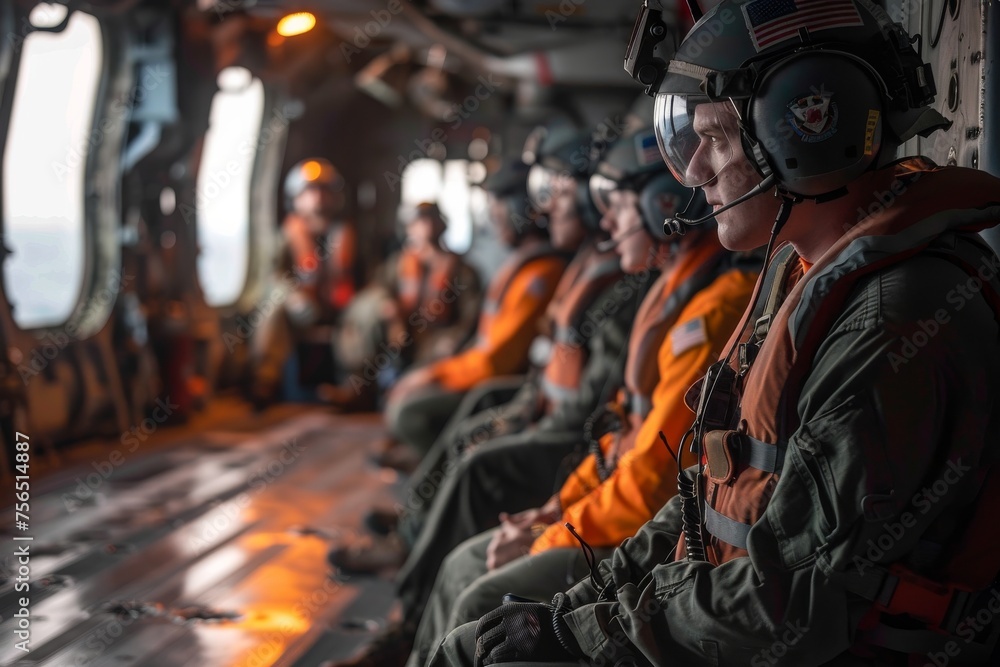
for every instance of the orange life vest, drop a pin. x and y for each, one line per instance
(588, 275)
(743, 465)
(324, 263)
(657, 315)
(419, 284)
(520, 258)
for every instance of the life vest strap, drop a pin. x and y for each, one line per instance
(725, 449)
(761, 455)
(726, 529)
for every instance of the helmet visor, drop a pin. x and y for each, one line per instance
(601, 188)
(540, 187)
(695, 136)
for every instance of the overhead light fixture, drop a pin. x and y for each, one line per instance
(296, 24)
(311, 170)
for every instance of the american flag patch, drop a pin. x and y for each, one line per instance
(647, 151)
(774, 21)
(687, 335)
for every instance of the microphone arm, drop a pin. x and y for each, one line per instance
(678, 224)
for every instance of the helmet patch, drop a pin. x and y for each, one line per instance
(774, 21)
(668, 203)
(813, 117)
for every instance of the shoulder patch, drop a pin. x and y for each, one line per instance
(687, 335)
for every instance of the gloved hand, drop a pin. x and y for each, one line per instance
(525, 631)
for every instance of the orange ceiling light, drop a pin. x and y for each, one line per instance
(296, 24)
(311, 170)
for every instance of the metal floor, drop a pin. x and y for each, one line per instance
(209, 552)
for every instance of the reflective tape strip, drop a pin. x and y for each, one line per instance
(729, 531)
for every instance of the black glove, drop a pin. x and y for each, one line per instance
(528, 631)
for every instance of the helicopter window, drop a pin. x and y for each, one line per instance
(222, 195)
(448, 185)
(51, 135)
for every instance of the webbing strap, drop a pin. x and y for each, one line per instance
(729, 531)
(785, 261)
(763, 456)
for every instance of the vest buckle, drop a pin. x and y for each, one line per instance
(906, 592)
(747, 355)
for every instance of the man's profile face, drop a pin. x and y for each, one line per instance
(621, 221)
(420, 233)
(722, 165)
(565, 226)
(317, 204)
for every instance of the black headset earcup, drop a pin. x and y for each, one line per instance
(588, 212)
(523, 215)
(658, 201)
(816, 120)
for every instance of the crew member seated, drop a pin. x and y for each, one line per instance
(577, 356)
(423, 400)
(316, 277)
(422, 307)
(630, 474)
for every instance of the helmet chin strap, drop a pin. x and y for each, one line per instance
(679, 224)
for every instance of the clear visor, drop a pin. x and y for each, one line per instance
(541, 184)
(696, 136)
(601, 188)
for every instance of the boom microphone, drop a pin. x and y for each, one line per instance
(678, 224)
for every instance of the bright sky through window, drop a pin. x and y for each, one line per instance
(48, 143)
(222, 198)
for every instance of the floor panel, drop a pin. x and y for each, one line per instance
(211, 552)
